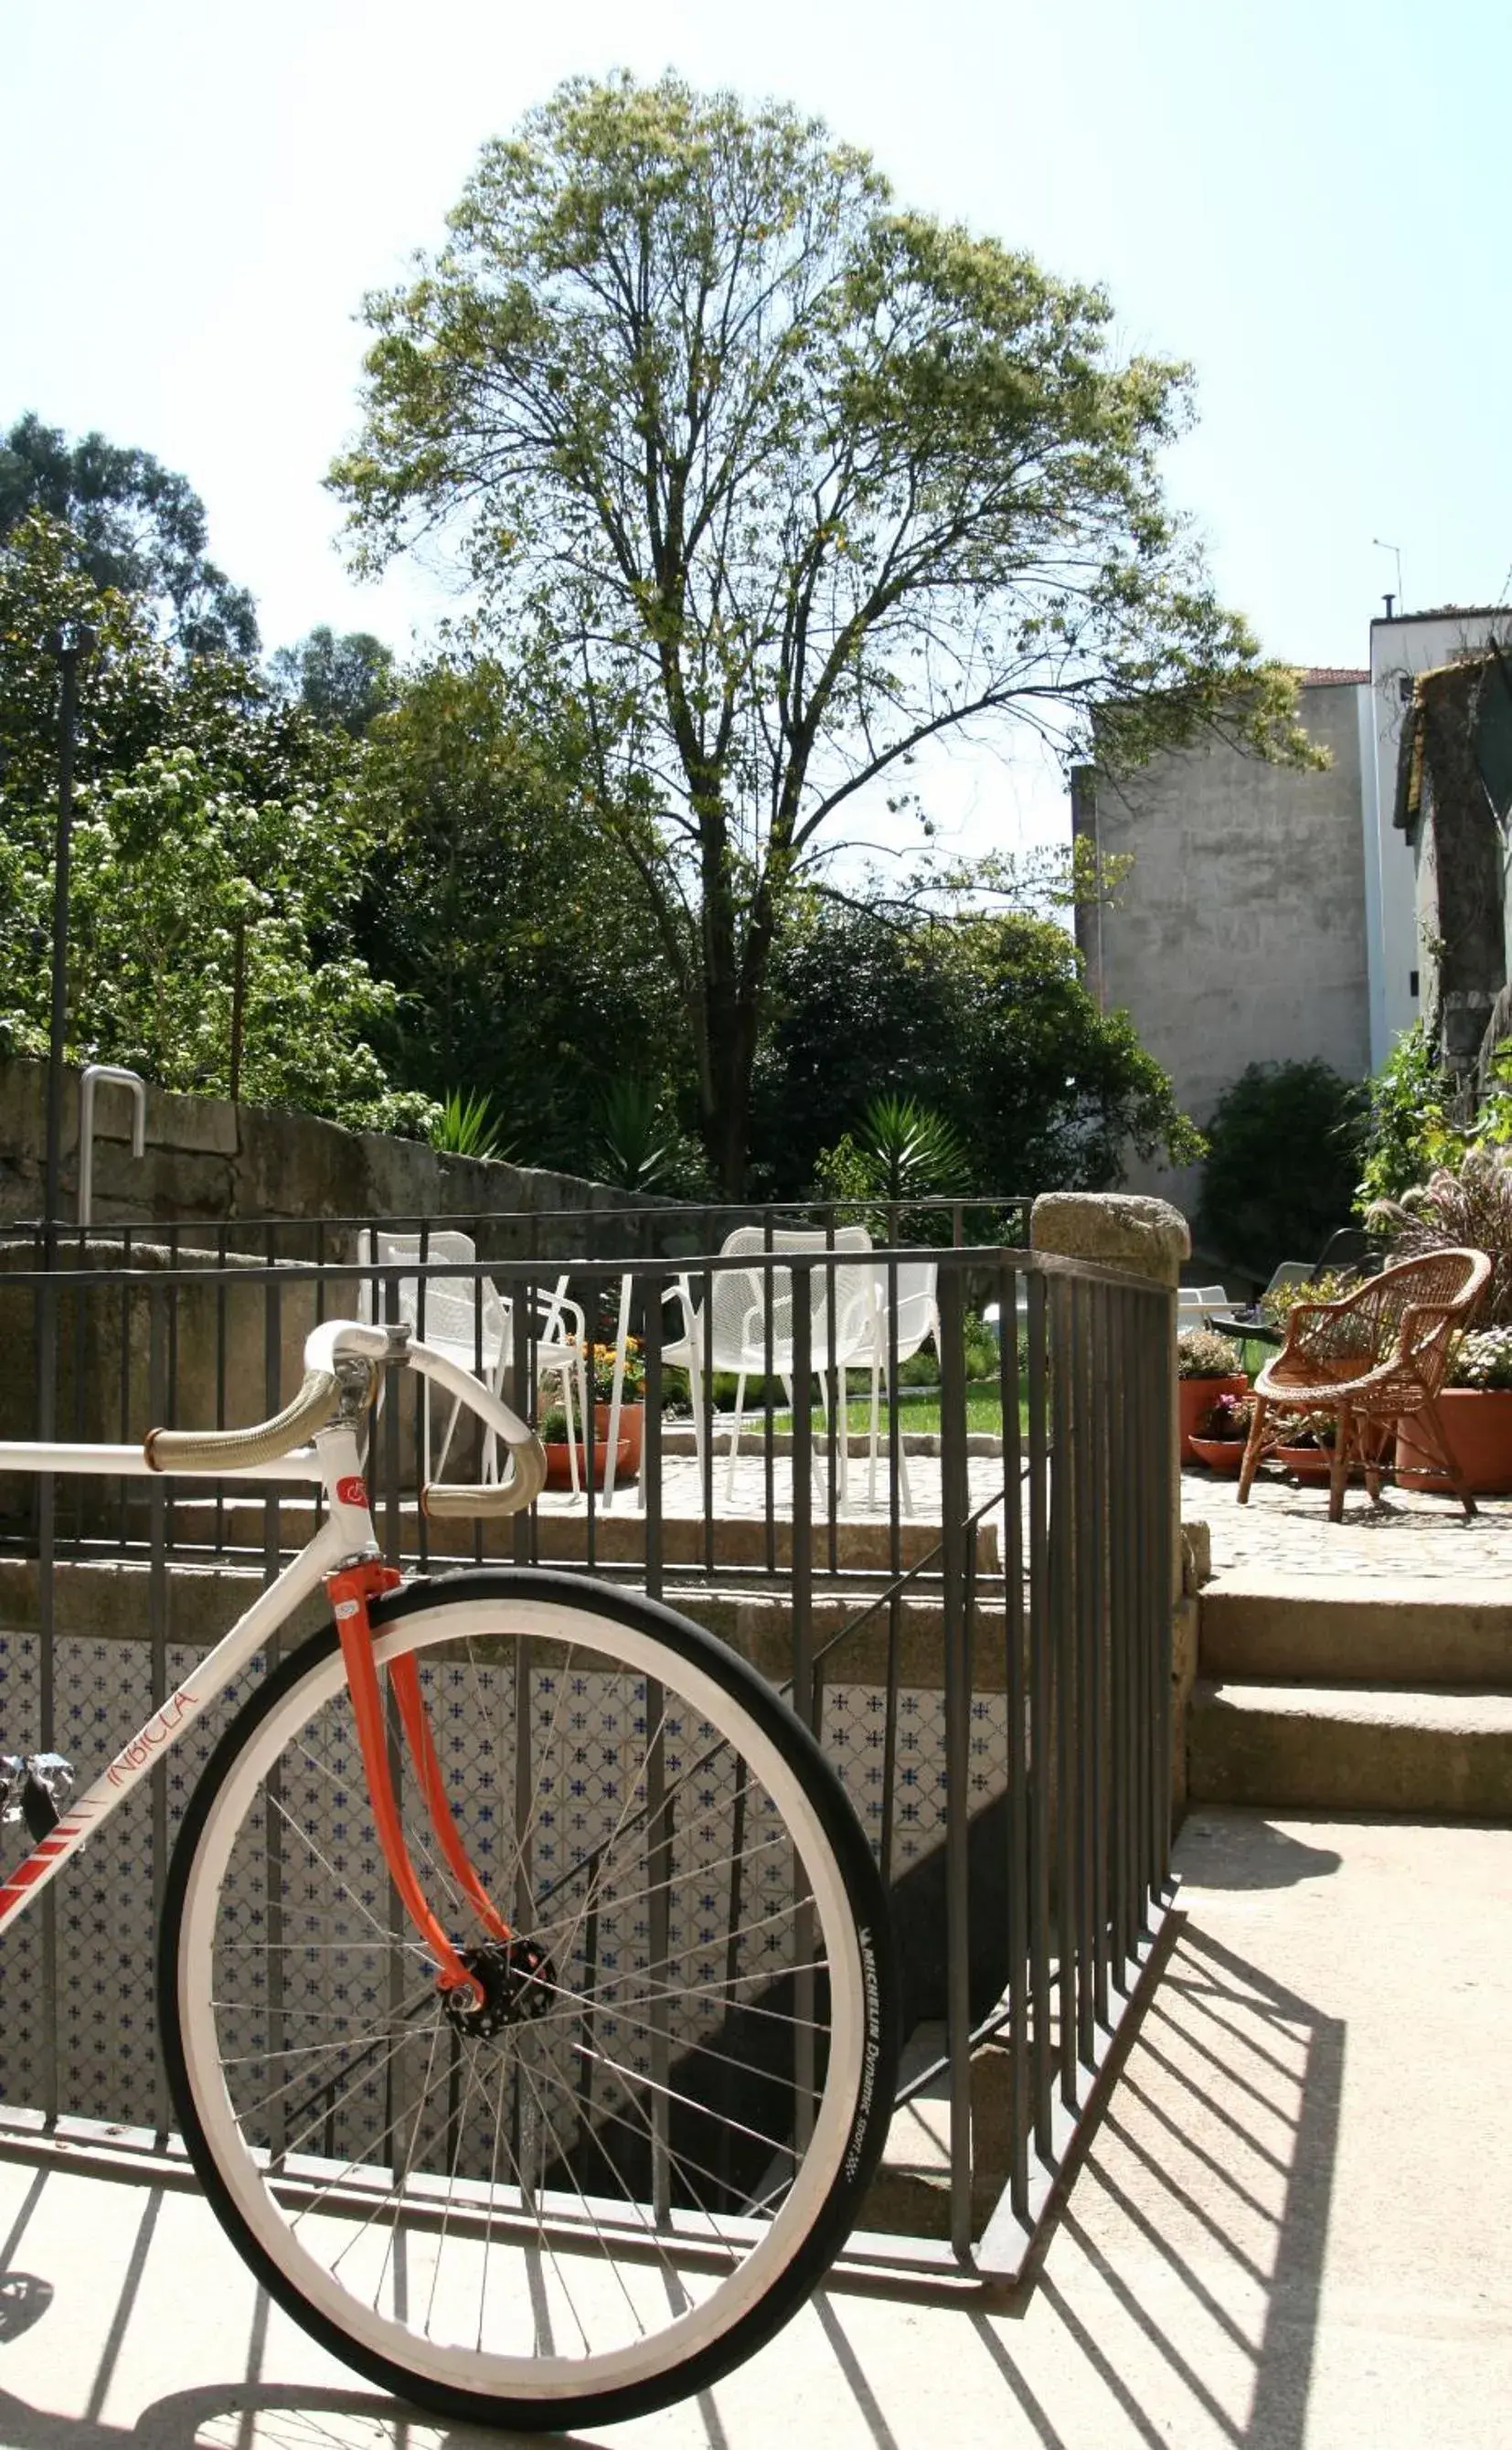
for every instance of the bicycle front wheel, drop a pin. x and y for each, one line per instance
(620, 2179)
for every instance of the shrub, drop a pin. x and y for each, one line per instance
(1330, 1286)
(1283, 1156)
(1203, 1354)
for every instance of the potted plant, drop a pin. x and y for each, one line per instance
(627, 1444)
(1208, 1366)
(1305, 1450)
(1220, 1437)
(1475, 1414)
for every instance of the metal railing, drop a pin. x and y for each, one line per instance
(979, 1635)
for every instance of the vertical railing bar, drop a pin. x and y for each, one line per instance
(272, 1398)
(1083, 1537)
(706, 1394)
(170, 1398)
(45, 1345)
(1117, 1489)
(157, 1395)
(800, 1284)
(1015, 1732)
(1063, 1624)
(658, 1881)
(125, 1378)
(1097, 1530)
(1163, 1384)
(1041, 1720)
(651, 1439)
(955, 1506)
(525, 1530)
(221, 1297)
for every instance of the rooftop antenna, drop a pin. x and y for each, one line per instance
(1382, 546)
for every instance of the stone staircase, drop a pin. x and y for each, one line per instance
(1333, 1694)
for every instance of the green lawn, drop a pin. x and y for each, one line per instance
(918, 1409)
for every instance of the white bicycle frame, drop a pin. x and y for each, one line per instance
(331, 1462)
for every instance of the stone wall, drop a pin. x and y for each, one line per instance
(210, 1163)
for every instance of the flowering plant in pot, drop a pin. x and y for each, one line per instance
(1475, 1414)
(1208, 1366)
(1218, 1439)
(551, 1430)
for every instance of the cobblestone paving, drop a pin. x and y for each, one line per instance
(1284, 1532)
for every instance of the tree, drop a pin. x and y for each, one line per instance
(524, 970)
(1284, 1150)
(215, 858)
(139, 528)
(784, 482)
(344, 681)
(982, 1018)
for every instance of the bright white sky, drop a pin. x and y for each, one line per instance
(1306, 198)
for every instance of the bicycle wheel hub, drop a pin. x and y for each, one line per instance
(516, 1975)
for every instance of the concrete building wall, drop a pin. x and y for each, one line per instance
(1239, 934)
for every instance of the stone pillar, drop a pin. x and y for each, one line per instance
(1144, 1238)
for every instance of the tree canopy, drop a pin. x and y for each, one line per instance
(216, 860)
(139, 528)
(781, 482)
(982, 1019)
(523, 971)
(344, 681)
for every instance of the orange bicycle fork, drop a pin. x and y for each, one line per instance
(351, 1589)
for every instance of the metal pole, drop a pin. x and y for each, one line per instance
(70, 654)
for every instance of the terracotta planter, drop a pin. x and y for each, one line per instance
(1222, 1455)
(1196, 1396)
(1476, 1423)
(627, 1453)
(1306, 1463)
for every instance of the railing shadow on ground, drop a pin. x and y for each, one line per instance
(1203, 2196)
(1180, 2287)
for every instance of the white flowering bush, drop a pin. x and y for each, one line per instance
(1483, 1359)
(1203, 1354)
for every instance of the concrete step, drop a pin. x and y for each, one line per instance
(108, 1599)
(910, 2194)
(1351, 1748)
(619, 1536)
(1413, 1632)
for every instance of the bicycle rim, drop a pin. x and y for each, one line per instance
(644, 2166)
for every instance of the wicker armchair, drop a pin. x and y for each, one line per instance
(1366, 1360)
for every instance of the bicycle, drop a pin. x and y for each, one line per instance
(538, 2071)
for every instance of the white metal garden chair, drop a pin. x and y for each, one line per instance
(483, 1347)
(750, 1327)
(904, 1316)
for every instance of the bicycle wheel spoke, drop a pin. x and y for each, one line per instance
(551, 2171)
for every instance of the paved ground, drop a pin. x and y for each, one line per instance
(1284, 1532)
(1290, 2232)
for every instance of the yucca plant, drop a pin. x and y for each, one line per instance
(632, 1148)
(912, 1149)
(465, 1127)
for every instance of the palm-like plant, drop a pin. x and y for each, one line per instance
(465, 1127)
(632, 1147)
(912, 1151)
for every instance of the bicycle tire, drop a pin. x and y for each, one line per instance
(623, 2145)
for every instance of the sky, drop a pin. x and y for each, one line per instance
(1307, 202)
